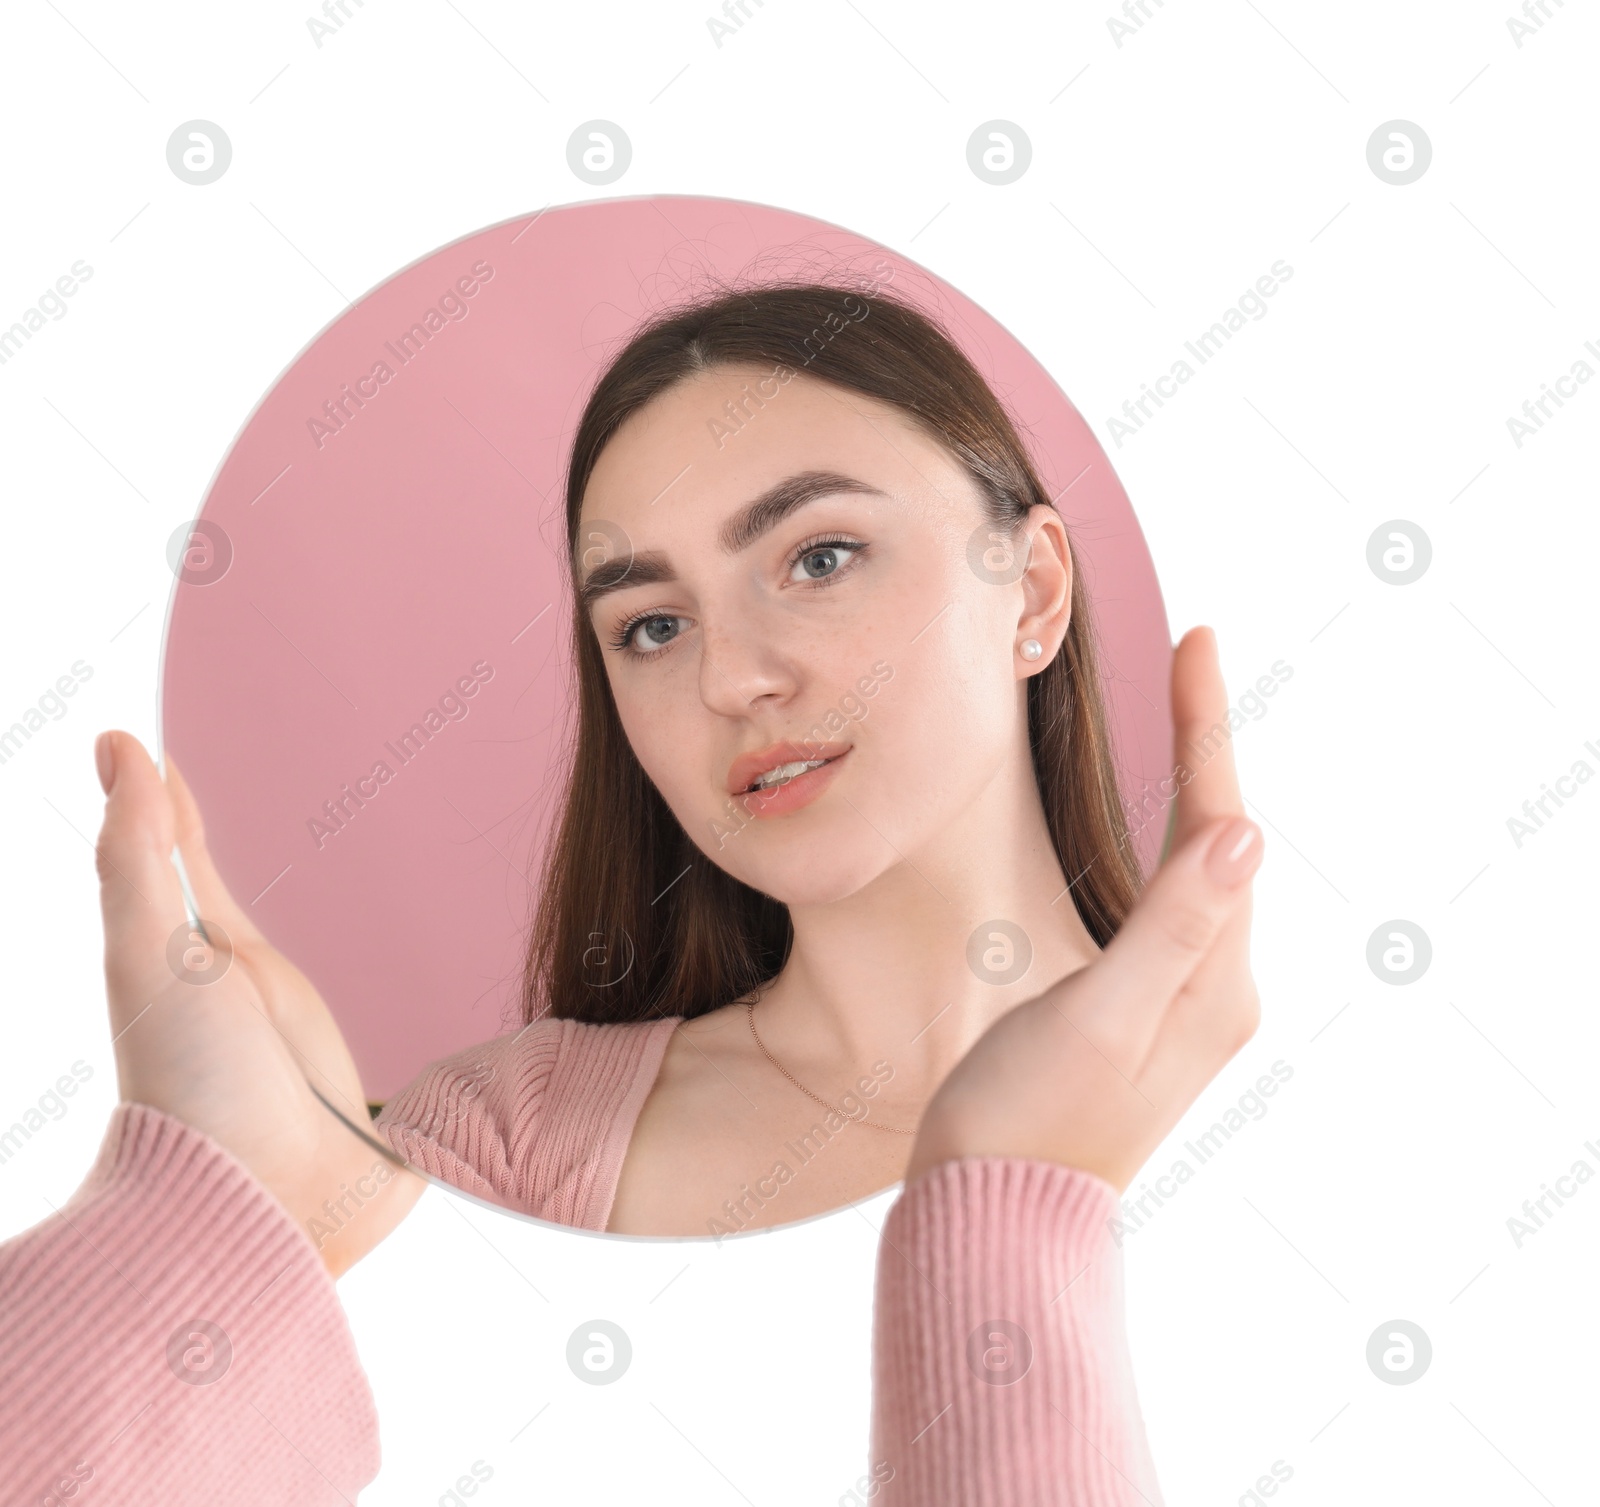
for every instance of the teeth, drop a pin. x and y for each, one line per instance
(785, 772)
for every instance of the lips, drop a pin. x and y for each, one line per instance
(744, 770)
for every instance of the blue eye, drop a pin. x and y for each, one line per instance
(821, 559)
(656, 629)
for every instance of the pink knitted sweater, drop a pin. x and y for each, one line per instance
(170, 1337)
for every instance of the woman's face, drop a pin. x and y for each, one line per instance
(838, 618)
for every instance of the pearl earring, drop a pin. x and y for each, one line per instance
(1031, 648)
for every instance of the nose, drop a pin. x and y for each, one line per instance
(744, 662)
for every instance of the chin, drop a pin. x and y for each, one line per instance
(816, 870)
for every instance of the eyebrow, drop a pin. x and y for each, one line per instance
(755, 518)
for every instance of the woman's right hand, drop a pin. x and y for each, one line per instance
(1096, 1071)
(235, 1058)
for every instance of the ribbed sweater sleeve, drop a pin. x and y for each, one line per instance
(1001, 1375)
(169, 1337)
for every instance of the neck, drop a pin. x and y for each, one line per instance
(908, 969)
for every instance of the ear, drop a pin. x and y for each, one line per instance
(1046, 586)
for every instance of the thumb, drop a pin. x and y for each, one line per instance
(1175, 924)
(141, 902)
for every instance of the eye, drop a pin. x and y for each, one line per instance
(646, 634)
(819, 559)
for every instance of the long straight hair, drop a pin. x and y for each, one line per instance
(632, 921)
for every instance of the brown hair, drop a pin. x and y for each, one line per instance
(632, 921)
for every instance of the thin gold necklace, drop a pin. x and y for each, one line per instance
(750, 1015)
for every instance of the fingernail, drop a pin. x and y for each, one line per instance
(105, 762)
(1235, 853)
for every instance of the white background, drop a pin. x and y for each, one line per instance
(1167, 174)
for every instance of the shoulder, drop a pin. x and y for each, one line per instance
(702, 1048)
(522, 1065)
(537, 1118)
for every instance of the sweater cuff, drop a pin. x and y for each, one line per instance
(172, 1335)
(1000, 1364)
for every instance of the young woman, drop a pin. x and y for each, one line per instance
(803, 532)
(806, 983)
